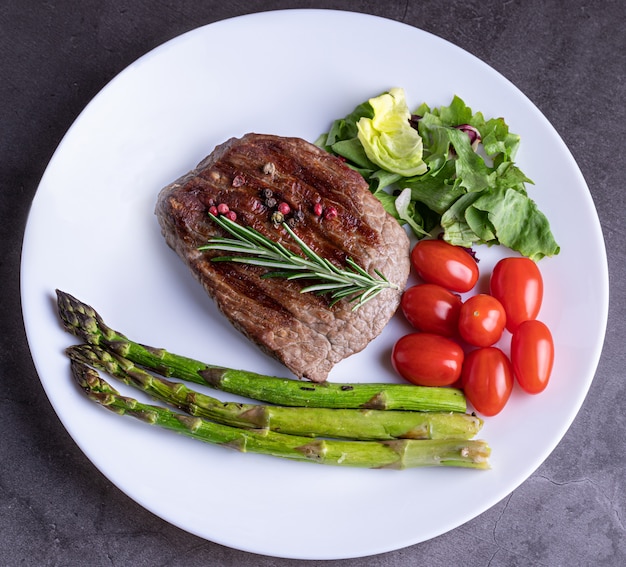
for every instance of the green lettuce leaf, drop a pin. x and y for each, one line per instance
(518, 223)
(457, 230)
(407, 212)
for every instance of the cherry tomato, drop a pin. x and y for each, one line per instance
(432, 309)
(441, 263)
(427, 359)
(481, 320)
(487, 380)
(532, 355)
(518, 284)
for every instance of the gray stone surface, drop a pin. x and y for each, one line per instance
(569, 57)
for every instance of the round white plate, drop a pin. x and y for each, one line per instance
(92, 232)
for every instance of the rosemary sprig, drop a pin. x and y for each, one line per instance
(352, 283)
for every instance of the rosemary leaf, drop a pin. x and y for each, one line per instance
(328, 287)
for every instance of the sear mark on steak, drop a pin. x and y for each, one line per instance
(252, 176)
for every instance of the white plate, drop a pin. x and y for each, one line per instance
(92, 233)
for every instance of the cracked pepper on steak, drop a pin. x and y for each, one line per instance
(298, 329)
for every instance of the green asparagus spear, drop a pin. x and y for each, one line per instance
(310, 422)
(395, 454)
(84, 322)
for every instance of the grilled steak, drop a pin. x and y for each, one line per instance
(253, 175)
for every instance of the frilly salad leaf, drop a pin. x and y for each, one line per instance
(446, 167)
(387, 137)
(405, 208)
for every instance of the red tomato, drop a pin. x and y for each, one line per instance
(532, 355)
(441, 263)
(432, 309)
(481, 320)
(518, 284)
(427, 359)
(487, 380)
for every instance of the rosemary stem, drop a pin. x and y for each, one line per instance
(352, 282)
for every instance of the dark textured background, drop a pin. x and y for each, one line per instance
(568, 57)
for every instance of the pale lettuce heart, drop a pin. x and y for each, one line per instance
(388, 139)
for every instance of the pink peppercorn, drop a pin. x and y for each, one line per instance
(239, 180)
(213, 210)
(231, 215)
(222, 208)
(330, 212)
(317, 209)
(284, 208)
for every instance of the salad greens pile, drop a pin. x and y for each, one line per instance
(444, 167)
